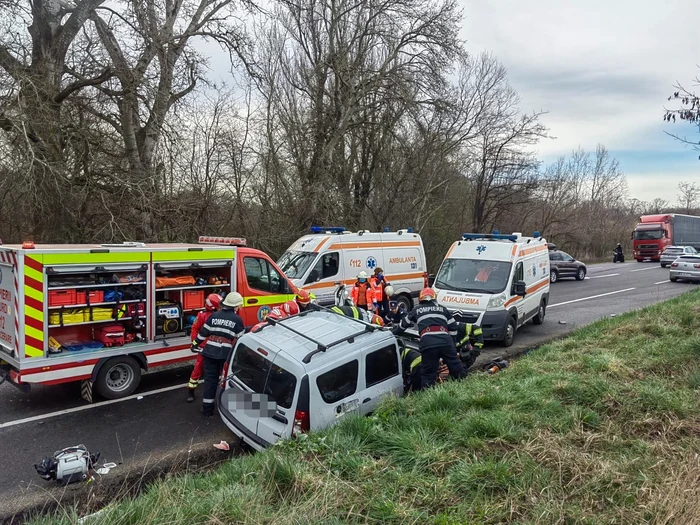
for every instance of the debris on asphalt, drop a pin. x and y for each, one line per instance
(68, 465)
(562, 322)
(222, 445)
(139, 398)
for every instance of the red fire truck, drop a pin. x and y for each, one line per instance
(101, 314)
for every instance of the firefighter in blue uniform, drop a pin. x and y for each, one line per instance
(220, 332)
(436, 328)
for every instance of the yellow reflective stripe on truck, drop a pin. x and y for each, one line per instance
(95, 258)
(266, 300)
(215, 255)
(33, 306)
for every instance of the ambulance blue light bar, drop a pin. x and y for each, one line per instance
(324, 229)
(493, 236)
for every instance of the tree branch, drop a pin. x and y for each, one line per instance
(80, 84)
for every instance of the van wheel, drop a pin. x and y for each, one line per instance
(581, 274)
(539, 318)
(510, 333)
(553, 276)
(405, 301)
(118, 377)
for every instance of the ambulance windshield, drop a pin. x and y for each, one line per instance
(473, 275)
(295, 264)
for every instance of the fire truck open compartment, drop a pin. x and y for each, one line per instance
(100, 314)
(85, 301)
(81, 301)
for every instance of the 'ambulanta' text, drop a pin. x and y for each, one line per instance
(460, 300)
(401, 260)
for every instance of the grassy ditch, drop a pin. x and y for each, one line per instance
(602, 427)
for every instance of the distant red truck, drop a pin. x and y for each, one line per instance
(655, 232)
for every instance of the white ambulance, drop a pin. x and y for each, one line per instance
(499, 281)
(331, 255)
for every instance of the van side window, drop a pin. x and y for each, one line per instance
(519, 275)
(381, 365)
(339, 383)
(330, 264)
(325, 267)
(261, 275)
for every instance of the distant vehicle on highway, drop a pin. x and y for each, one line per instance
(671, 253)
(685, 268)
(656, 232)
(563, 265)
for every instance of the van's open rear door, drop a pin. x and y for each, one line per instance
(9, 346)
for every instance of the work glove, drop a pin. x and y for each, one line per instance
(194, 348)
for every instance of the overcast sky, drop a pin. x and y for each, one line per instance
(603, 70)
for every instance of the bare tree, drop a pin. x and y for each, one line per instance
(688, 194)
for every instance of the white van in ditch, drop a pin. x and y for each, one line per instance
(329, 255)
(498, 281)
(306, 372)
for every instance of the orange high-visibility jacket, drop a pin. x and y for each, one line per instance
(362, 294)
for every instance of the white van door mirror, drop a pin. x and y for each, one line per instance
(520, 289)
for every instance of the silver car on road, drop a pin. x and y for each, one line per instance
(671, 253)
(685, 268)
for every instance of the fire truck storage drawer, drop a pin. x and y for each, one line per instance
(96, 296)
(192, 299)
(62, 297)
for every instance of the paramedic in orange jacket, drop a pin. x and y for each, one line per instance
(212, 304)
(362, 293)
(380, 296)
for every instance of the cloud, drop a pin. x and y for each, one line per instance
(603, 70)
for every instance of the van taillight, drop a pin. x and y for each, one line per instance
(225, 375)
(301, 423)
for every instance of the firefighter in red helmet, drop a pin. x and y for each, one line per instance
(304, 300)
(211, 304)
(436, 328)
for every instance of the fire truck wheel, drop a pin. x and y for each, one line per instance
(118, 377)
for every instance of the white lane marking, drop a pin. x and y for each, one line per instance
(88, 407)
(663, 282)
(591, 297)
(645, 269)
(601, 276)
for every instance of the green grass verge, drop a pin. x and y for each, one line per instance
(602, 427)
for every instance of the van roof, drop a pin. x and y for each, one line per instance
(496, 248)
(318, 328)
(316, 242)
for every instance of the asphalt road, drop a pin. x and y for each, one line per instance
(161, 431)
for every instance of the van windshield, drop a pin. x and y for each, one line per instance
(648, 235)
(295, 264)
(263, 377)
(473, 275)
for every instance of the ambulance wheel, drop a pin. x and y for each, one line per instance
(539, 318)
(509, 336)
(405, 300)
(118, 377)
